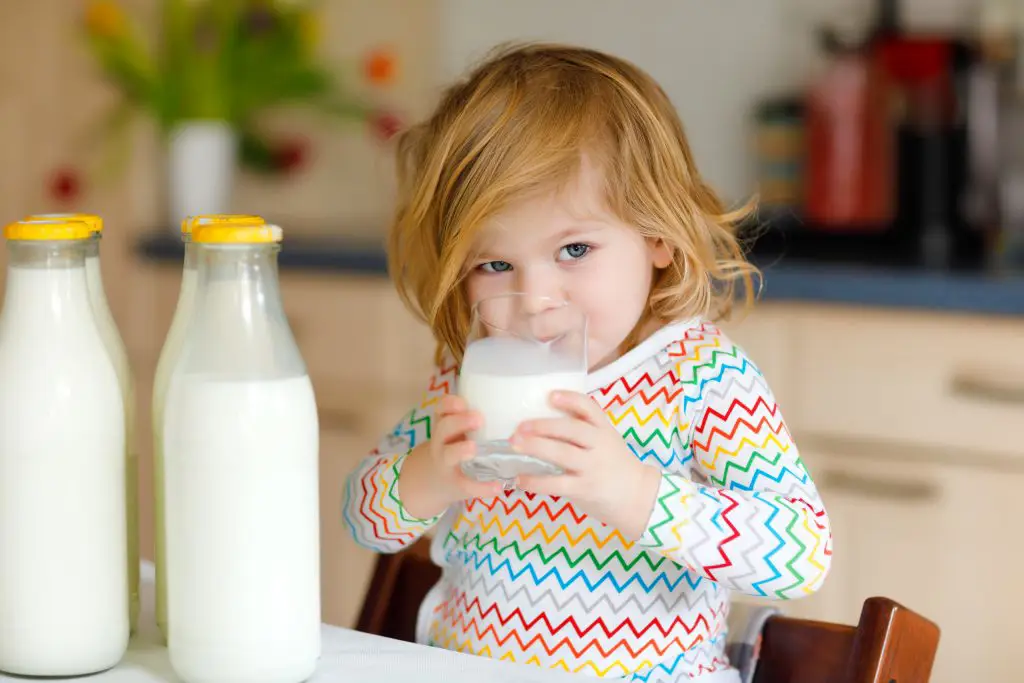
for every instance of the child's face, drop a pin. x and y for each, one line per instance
(568, 245)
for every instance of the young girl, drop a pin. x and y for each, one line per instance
(565, 172)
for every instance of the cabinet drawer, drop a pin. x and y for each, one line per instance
(946, 381)
(355, 329)
(336, 323)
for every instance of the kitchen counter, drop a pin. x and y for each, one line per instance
(786, 278)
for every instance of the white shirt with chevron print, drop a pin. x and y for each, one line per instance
(530, 579)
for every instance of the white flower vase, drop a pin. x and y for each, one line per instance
(202, 157)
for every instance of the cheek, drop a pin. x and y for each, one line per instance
(614, 293)
(479, 286)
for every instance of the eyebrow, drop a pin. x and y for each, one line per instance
(584, 228)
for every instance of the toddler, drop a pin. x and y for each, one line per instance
(565, 172)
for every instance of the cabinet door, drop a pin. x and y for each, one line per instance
(984, 605)
(345, 566)
(938, 538)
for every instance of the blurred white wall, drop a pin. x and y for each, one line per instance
(713, 57)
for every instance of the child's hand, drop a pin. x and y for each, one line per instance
(432, 477)
(602, 477)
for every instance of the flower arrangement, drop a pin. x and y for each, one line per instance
(228, 61)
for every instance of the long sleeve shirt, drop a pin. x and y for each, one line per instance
(531, 579)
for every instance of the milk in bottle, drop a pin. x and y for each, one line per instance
(240, 443)
(168, 358)
(119, 356)
(63, 576)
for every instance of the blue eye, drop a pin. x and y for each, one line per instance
(496, 267)
(574, 251)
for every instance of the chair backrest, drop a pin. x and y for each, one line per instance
(400, 583)
(890, 643)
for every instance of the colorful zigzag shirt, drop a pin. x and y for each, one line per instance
(528, 578)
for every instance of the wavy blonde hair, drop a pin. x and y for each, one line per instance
(518, 125)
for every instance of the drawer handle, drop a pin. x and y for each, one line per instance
(991, 390)
(905, 490)
(337, 419)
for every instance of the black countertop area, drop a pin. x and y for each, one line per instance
(854, 271)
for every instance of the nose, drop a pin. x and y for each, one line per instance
(541, 290)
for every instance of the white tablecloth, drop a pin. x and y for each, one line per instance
(347, 656)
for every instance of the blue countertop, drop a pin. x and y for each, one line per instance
(785, 279)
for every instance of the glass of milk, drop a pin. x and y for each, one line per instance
(521, 347)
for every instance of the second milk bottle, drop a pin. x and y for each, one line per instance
(241, 443)
(168, 360)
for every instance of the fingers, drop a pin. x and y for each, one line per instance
(577, 432)
(456, 426)
(566, 455)
(451, 404)
(580, 406)
(480, 489)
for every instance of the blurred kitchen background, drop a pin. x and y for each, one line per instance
(886, 140)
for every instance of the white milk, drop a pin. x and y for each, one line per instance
(509, 380)
(168, 359)
(242, 514)
(111, 336)
(63, 576)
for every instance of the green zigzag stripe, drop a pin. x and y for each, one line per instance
(475, 541)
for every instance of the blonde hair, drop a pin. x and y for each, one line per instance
(519, 124)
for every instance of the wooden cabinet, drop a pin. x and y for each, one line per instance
(345, 566)
(907, 422)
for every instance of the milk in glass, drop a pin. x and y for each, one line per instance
(63, 577)
(168, 359)
(240, 440)
(510, 380)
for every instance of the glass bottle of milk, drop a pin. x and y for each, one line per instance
(240, 441)
(63, 576)
(168, 359)
(119, 357)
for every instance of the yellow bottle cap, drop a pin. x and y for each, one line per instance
(214, 233)
(43, 231)
(94, 222)
(189, 224)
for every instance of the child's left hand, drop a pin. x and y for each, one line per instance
(601, 476)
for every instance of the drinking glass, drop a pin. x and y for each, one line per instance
(520, 348)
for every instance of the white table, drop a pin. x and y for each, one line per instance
(347, 656)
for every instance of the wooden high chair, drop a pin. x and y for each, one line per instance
(890, 644)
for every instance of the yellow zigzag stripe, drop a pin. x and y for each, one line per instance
(745, 442)
(452, 642)
(713, 343)
(542, 530)
(382, 495)
(667, 421)
(677, 528)
(813, 585)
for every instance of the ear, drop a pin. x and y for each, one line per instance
(660, 252)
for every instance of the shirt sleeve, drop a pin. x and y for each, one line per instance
(755, 522)
(372, 510)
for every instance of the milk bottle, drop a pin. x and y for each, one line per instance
(240, 443)
(63, 576)
(119, 356)
(168, 358)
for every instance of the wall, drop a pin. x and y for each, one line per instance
(713, 58)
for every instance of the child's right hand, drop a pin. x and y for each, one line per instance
(432, 477)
